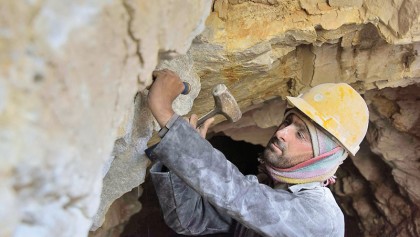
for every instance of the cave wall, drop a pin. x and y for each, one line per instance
(70, 71)
(73, 121)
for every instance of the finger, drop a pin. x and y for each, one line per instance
(193, 120)
(205, 127)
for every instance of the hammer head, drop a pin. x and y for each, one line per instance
(225, 104)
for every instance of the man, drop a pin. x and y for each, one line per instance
(200, 192)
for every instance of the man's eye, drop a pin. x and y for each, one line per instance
(301, 135)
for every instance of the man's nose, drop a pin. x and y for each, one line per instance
(284, 133)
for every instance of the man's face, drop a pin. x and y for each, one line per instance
(290, 145)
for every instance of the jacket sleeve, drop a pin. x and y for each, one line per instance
(184, 210)
(267, 211)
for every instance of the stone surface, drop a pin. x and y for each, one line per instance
(128, 166)
(395, 139)
(129, 163)
(69, 74)
(119, 214)
(343, 3)
(70, 120)
(269, 61)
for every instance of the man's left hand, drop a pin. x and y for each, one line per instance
(202, 130)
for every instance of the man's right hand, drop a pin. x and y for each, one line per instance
(164, 90)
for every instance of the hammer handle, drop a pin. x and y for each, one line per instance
(207, 116)
(210, 114)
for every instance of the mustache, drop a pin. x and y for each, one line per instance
(278, 143)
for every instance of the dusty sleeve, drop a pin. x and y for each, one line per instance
(267, 211)
(184, 210)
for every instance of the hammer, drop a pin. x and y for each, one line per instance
(224, 104)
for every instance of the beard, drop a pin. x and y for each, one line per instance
(272, 157)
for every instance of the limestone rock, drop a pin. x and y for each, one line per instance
(129, 163)
(342, 3)
(119, 213)
(398, 21)
(262, 52)
(128, 168)
(387, 141)
(69, 74)
(71, 70)
(380, 207)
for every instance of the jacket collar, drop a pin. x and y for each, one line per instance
(297, 187)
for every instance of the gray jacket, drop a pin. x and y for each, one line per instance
(203, 193)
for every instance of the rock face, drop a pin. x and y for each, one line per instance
(119, 213)
(382, 193)
(72, 97)
(395, 138)
(264, 51)
(69, 75)
(128, 167)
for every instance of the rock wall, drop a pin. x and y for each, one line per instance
(72, 98)
(69, 75)
(264, 51)
(392, 168)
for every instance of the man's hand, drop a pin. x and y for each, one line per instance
(203, 128)
(164, 90)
